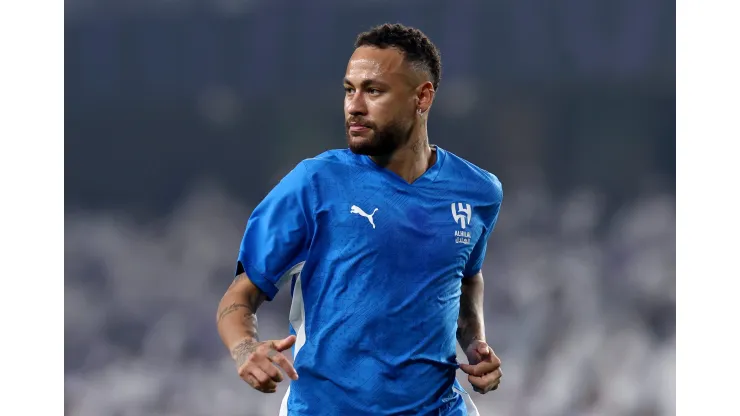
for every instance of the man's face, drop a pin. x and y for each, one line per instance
(379, 101)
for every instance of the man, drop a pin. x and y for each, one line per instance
(382, 245)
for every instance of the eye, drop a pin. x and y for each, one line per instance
(349, 90)
(373, 91)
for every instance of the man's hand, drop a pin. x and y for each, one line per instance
(484, 368)
(258, 362)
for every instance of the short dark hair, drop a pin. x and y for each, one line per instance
(419, 51)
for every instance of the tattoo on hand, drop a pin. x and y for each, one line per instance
(243, 350)
(232, 308)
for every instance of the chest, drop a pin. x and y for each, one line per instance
(405, 227)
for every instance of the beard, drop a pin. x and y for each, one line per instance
(379, 141)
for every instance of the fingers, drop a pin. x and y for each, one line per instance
(492, 357)
(249, 378)
(271, 371)
(284, 344)
(485, 375)
(266, 383)
(469, 369)
(262, 369)
(282, 362)
(484, 350)
(483, 367)
(485, 383)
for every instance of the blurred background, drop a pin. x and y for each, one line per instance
(180, 115)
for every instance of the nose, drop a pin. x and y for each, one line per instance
(355, 104)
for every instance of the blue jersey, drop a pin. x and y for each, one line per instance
(374, 265)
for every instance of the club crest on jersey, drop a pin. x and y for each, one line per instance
(462, 213)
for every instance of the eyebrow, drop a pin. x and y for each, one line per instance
(365, 83)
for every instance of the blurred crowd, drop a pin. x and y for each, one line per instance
(580, 306)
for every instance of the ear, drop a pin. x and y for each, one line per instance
(424, 97)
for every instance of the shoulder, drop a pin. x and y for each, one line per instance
(329, 166)
(488, 185)
(327, 161)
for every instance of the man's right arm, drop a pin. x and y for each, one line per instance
(276, 239)
(237, 325)
(237, 317)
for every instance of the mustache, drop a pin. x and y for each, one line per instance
(359, 121)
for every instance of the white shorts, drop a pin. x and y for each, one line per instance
(469, 405)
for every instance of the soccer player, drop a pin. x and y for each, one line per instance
(381, 247)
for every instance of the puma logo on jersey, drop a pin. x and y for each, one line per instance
(357, 210)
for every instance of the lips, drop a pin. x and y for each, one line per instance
(358, 127)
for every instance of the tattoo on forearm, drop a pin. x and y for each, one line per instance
(233, 308)
(469, 323)
(243, 350)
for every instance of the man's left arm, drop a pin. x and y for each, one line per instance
(484, 367)
(470, 323)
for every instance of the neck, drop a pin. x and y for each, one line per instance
(413, 159)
